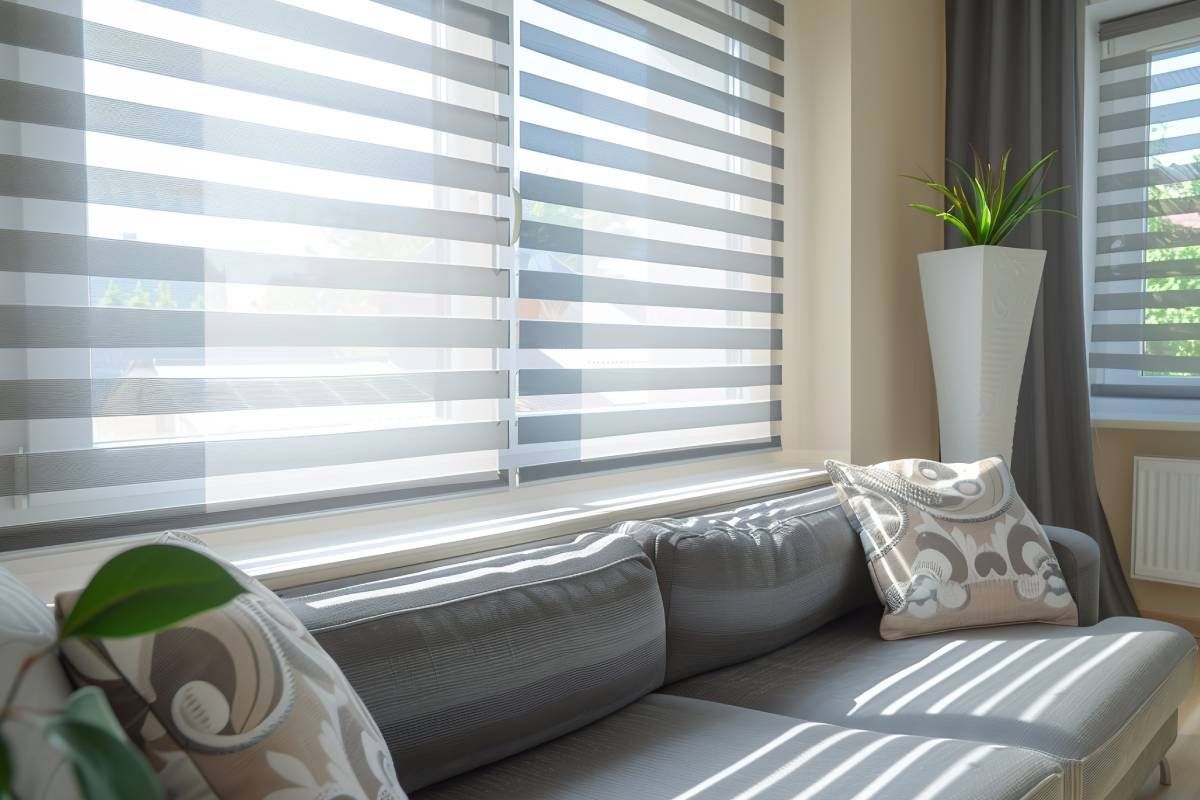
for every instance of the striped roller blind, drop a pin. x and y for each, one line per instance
(1145, 337)
(649, 306)
(252, 253)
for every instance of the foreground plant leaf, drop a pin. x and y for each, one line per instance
(6, 771)
(146, 589)
(106, 764)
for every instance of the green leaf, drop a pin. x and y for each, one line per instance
(106, 764)
(984, 214)
(90, 705)
(1019, 187)
(966, 232)
(146, 589)
(998, 198)
(1031, 205)
(937, 187)
(970, 213)
(6, 771)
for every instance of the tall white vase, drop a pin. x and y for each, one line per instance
(979, 304)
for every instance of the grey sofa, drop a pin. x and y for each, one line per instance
(736, 655)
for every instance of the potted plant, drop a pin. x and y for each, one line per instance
(139, 591)
(979, 304)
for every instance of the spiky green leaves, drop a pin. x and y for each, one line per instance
(982, 207)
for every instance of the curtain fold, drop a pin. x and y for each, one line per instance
(1011, 84)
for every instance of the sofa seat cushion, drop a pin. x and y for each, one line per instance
(1092, 698)
(674, 747)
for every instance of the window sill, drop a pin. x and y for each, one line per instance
(288, 552)
(1147, 424)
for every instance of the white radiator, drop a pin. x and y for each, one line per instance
(1166, 520)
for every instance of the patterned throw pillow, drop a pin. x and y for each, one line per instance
(239, 702)
(951, 546)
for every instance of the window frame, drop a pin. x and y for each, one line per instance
(1108, 410)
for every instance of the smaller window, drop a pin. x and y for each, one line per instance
(1145, 336)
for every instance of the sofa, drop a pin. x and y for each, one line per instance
(736, 654)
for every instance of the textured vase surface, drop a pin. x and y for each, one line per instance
(979, 304)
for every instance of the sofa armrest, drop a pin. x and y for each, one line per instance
(1079, 557)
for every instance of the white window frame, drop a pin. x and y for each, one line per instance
(1110, 411)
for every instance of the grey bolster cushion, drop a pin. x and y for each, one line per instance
(1079, 556)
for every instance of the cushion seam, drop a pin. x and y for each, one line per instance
(727, 526)
(985, 626)
(666, 589)
(1051, 778)
(427, 569)
(801, 515)
(462, 598)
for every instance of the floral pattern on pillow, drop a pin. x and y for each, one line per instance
(239, 702)
(951, 546)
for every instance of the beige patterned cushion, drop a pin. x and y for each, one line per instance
(239, 702)
(951, 546)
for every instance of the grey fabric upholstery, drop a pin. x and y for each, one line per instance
(467, 663)
(524, 673)
(1079, 557)
(742, 582)
(1090, 697)
(672, 747)
(1146, 764)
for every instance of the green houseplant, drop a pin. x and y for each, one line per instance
(979, 302)
(982, 207)
(139, 591)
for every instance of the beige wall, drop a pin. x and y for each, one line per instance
(817, 232)
(864, 106)
(897, 128)
(1115, 449)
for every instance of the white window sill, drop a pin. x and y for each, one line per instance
(1147, 423)
(287, 552)
(1146, 413)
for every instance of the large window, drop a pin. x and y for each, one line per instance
(258, 257)
(1145, 351)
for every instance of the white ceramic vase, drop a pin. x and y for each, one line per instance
(979, 304)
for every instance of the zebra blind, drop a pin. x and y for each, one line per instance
(649, 302)
(251, 253)
(1145, 337)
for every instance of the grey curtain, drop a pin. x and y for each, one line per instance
(1011, 83)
